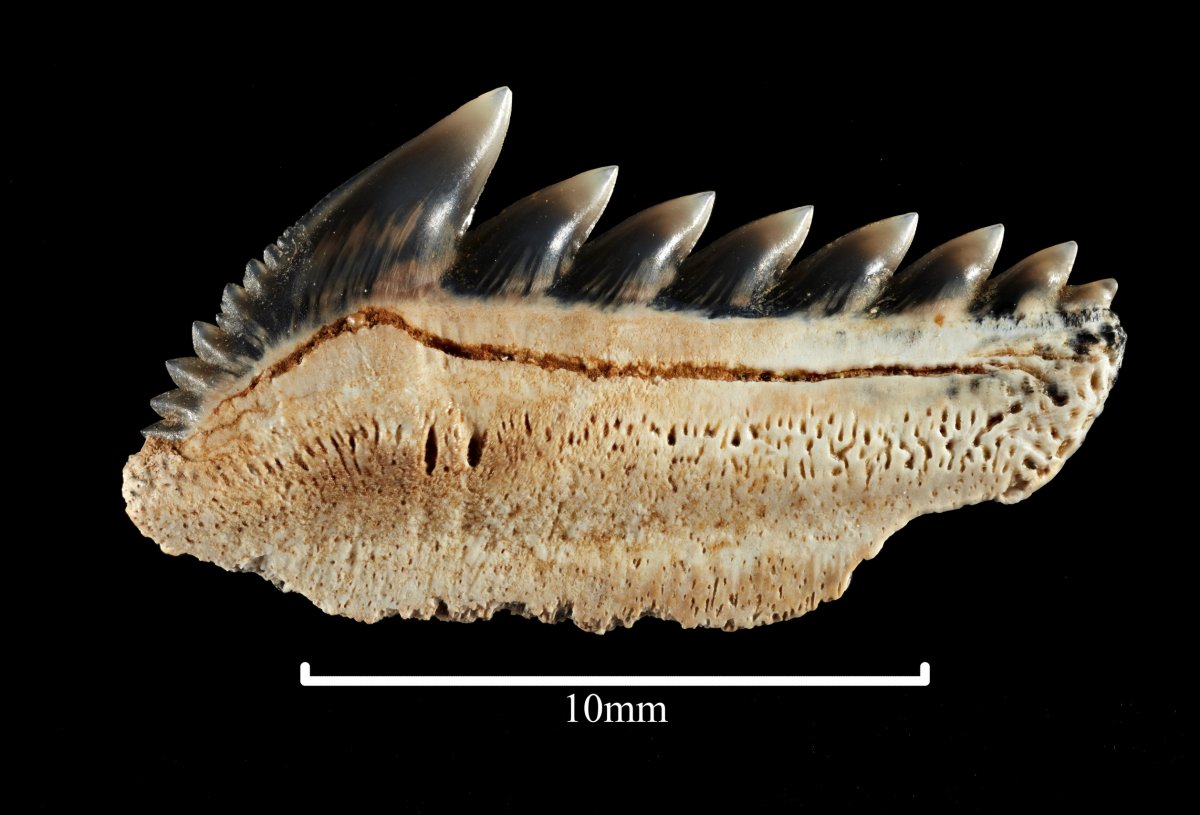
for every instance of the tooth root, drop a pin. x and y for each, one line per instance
(631, 262)
(196, 375)
(221, 349)
(844, 276)
(1031, 286)
(1097, 294)
(178, 406)
(527, 246)
(726, 273)
(948, 278)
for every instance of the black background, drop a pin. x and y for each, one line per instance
(1055, 628)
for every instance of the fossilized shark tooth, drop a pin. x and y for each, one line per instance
(394, 415)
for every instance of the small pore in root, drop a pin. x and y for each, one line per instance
(431, 451)
(475, 450)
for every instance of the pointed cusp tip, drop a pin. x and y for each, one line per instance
(499, 98)
(693, 210)
(1057, 259)
(1067, 250)
(1097, 293)
(1060, 256)
(695, 207)
(590, 183)
(1107, 290)
(1104, 291)
(989, 239)
(900, 228)
(788, 225)
(801, 217)
(494, 105)
(702, 202)
(601, 178)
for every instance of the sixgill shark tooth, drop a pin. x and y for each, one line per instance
(395, 414)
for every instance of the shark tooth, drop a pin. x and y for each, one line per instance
(178, 406)
(1033, 285)
(196, 375)
(844, 276)
(524, 249)
(726, 274)
(632, 262)
(397, 415)
(947, 278)
(1097, 294)
(221, 349)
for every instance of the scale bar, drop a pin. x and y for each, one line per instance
(470, 681)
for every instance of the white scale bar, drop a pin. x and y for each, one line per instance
(309, 681)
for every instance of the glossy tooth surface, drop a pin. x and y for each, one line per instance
(531, 243)
(177, 405)
(726, 273)
(948, 278)
(631, 262)
(196, 375)
(393, 227)
(221, 349)
(845, 276)
(1097, 294)
(1031, 286)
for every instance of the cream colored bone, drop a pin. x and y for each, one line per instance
(453, 457)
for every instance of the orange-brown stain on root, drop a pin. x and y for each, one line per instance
(593, 368)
